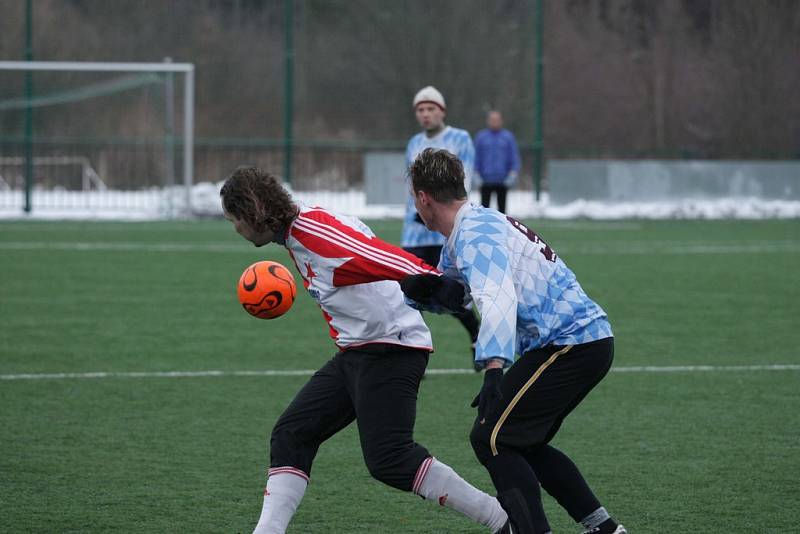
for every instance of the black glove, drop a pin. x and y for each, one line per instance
(421, 287)
(431, 289)
(490, 395)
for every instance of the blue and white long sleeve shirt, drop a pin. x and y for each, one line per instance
(527, 297)
(455, 141)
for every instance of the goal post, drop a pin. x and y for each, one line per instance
(185, 69)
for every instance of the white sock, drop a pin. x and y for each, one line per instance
(284, 491)
(438, 482)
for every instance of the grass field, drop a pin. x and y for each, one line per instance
(712, 450)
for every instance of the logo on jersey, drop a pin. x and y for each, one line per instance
(308, 279)
(310, 274)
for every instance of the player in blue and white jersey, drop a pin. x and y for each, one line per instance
(430, 111)
(538, 322)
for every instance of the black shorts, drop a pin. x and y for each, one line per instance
(539, 391)
(376, 385)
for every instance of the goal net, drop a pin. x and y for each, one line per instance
(96, 139)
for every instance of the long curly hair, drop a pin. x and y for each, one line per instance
(256, 197)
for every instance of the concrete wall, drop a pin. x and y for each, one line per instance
(384, 178)
(654, 180)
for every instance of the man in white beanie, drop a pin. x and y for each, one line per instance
(430, 110)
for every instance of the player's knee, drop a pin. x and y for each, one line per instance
(375, 467)
(394, 466)
(382, 471)
(479, 439)
(283, 446)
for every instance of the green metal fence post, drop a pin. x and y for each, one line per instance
(288, 90)
(28, 106)
(538, 143)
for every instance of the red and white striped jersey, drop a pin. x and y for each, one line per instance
(352, 275)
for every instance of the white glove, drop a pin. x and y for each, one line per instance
(510, 180)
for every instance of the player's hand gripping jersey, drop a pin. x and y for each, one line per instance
(527, 297)
(455, 141)
(351, 275)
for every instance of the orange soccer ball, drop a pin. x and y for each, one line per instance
(266, 289)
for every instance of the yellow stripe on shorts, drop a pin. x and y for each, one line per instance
(520, 393)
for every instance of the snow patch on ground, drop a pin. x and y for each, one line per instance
(155, 204)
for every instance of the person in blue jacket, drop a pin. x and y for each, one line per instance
(496, 161)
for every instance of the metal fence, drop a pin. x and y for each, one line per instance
(312, 86)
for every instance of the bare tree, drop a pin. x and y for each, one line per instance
(713, 78)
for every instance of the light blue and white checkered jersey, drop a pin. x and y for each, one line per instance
(527, 297)
(453, 140)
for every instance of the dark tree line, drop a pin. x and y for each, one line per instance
(705, 78)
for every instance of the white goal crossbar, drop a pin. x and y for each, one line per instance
(188, 96)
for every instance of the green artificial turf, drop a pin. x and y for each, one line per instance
(695, 450)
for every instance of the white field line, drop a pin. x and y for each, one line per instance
(309, 372)
(630, 247)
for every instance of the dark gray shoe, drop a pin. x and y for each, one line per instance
(619, 530)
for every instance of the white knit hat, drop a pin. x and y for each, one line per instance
(429, 94)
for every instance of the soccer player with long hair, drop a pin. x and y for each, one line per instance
(382, 352)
